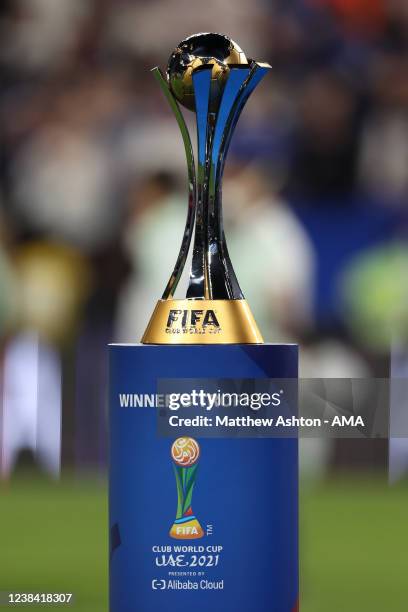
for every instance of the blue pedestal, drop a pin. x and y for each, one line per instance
(245, 496)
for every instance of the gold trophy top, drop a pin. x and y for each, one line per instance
(207, 49)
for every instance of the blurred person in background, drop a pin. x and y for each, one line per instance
(375, 299)
(153, 233)
(323, 167)
(271, 253)
(64, 175)
(39, 35)
(328, 355)
(138, 26)
(65, 116)
(384, 149)
(50, 284)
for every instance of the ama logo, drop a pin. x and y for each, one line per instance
(192, 322)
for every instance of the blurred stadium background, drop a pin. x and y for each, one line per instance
(92, 206)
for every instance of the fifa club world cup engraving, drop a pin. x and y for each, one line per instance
(185, 453)
(210, 75)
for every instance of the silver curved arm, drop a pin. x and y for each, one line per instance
(258, 71)
(212, 275)
(188, 230)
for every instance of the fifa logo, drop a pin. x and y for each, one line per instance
(192, 321)
(185, 453)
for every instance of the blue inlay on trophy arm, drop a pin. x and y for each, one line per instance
(222, 277)
(188, 230)
(234, 83)
(258, 71)
(198, 283)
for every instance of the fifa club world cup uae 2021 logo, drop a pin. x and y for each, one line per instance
(185, 453)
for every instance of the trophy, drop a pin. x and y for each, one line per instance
(185, 453)
(210, 75)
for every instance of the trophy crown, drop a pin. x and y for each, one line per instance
(197, 50)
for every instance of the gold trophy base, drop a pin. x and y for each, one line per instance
(202, 322)
(189, 530)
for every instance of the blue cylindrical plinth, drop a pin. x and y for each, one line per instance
(245, 494)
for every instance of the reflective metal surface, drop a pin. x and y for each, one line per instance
(210, 74)
(215, 50)
(185, 244)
